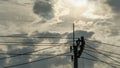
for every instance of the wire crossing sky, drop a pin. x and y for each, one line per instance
(28, 27)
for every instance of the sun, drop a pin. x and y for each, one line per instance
(78, 3)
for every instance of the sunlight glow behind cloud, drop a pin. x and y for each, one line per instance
(17, 16)
(78, 3)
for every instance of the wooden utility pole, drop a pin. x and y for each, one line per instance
(75, 56)
(80, 43)
(75, 48)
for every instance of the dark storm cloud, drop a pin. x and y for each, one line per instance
(44, 8)
(80, 33)
(19, 35)
(52, 37)
(115, 4)
(55, 37)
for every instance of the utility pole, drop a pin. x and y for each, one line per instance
(77, 49)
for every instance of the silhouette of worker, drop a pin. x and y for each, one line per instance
(81, 44)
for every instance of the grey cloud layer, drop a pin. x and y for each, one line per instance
(115, 4)
(44, 9)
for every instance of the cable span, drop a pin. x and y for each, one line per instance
(96, 41)
(103, 54)
(35, 61)
(96, 60)
(109, 52)
(25, 53)
(31, 44)
(101, 60)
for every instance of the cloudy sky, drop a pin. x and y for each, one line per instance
(94, 19)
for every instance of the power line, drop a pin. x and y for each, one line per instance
(39, 37)
(97, 60)
(101, 60)
(51, 54)
(104, 54)
(35, 61)
(46, 37)
(30, 37)
(109, 52)
(29, 44)
(96, 41)
(32, 44)
(32, 54)
(50, 58)
(104, 51)
(25, 53)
